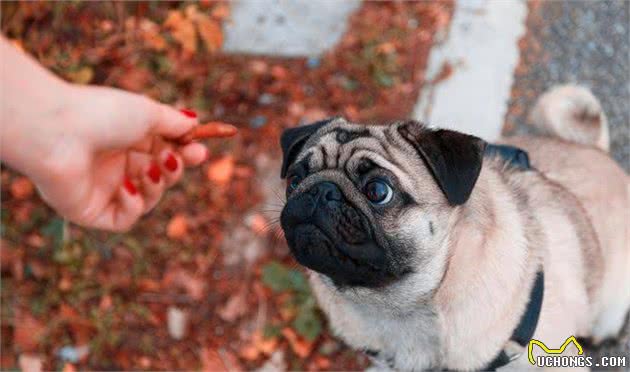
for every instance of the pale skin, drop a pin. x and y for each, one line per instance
(101, 157)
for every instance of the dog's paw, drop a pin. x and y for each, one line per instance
(572, 113)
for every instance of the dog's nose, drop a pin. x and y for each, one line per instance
(325, 192)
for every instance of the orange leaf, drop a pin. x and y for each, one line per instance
(177, 227)
(221, 11)
(182, 30)
(300, 347)
(21, 188)
(220, 171)
(28, 331)
(210, 32)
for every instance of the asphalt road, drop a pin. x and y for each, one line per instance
(584, 42)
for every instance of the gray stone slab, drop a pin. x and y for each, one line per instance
(286, 28)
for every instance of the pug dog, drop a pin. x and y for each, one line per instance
(432, 249)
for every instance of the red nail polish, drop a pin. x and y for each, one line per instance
(131, 188)
(171, 163)
(154, 173)
(189, 113)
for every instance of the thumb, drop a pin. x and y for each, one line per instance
(172, 123)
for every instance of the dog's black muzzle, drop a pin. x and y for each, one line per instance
(327, 234)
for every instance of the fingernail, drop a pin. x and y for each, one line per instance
(171, 163)
(154, 173)
(189, 113)
(131, 188)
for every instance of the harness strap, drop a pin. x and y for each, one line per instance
(526, 327)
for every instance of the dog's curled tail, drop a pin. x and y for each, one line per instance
(572, 113)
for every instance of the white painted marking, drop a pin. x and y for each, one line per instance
(482, 48)
(286, 28)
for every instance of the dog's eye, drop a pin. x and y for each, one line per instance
(292, 183)
(378, 192)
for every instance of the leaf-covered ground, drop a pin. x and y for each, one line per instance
(204, 281)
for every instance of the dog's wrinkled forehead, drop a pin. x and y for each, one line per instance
(331, 143)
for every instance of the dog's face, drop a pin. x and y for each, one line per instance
(369, 206)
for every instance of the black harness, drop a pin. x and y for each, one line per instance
(525, 329)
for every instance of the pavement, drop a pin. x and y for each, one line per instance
(583, 42)
(286, 28)
(471, 72)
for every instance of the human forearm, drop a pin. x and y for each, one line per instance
(32, 100)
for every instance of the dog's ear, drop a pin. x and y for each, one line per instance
(454, 158)
(293, 139)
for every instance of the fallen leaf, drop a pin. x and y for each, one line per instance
(65, 284)
(322, 363)
(220, 171)
(22, 188)
(35, 240)
(211, 361)
(145, 362)
(84, 75)
(279, 72)
(134, 79)
(300, 347)
(28, 331)
(180, 278)
(182, 29)
(264, 345)
(210, 32)
(68, 367)
(258, 67)
(220, 11)
(106, 303)
(38, 268)
(244, 172)
(235, 307)
(177, 227)
(151, 35)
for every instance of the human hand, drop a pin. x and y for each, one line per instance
(103, 157)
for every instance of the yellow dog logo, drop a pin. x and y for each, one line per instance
(547, 350)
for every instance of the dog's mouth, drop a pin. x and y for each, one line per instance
(346, 264)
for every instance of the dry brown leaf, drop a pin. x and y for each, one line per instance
(182, 29)
(28, 331)
(210, 32)
(21, 188)
(219, 360)
(134, 79)
(151, 35)
(68, 368)
(235, 307)
(106, 302)
(195, 286)
(249, 352)
(266, 346)
(300, 347)
(84, 75)
(220, 171)
(211, 361)
(221, 11)
(177, 227)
